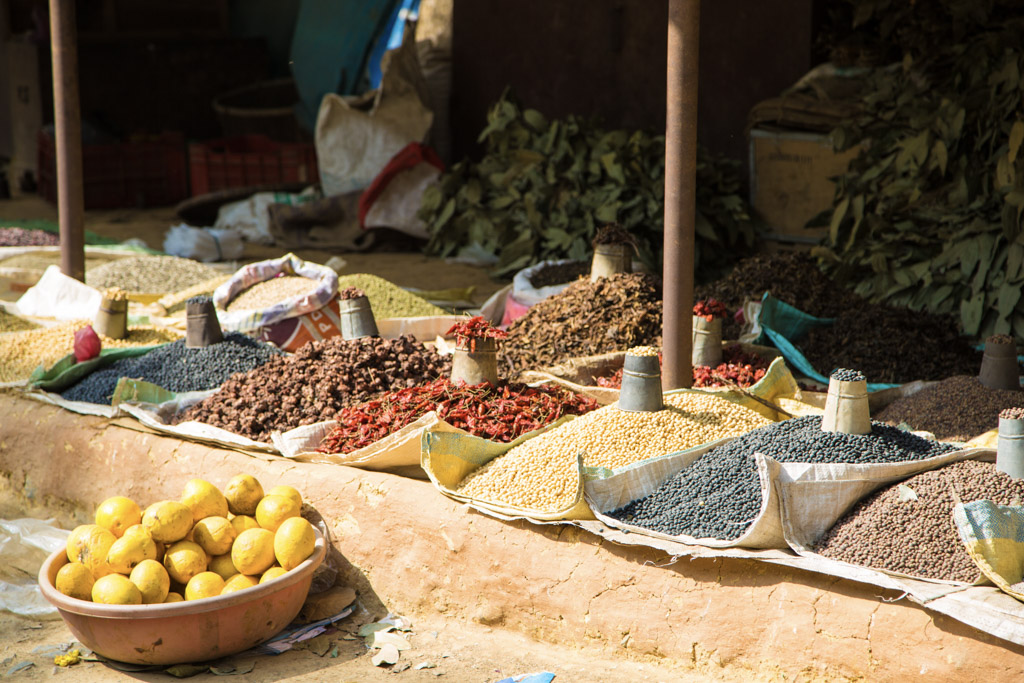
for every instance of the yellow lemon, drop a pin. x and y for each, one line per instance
(243, 493)
(89, 544)
(239, 582)
(154, 551)
(273, 510)
(167, 521)
(293, 542)
(75, 580)
(223, 565)
(174, 597)
(253, 551)
(272, 574)
(243, 522)
(214, 534)
(183, 560)
(114, 589)
(287, 492)
(152, 580)
(204, 499)
(128, 551)
(117, 514)
(204, 585)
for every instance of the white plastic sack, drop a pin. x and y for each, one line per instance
(203, 244)
(250, 218)
(58, 296)
(352, 146)
(399, 203)
(24, 546)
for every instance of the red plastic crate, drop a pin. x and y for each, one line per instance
(149, 172)
(249, 160)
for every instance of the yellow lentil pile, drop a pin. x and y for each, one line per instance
(23, 352)
(272, 291)
(643, 351)
(13, 323)
(541, 473)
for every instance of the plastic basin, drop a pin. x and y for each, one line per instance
(182, 632)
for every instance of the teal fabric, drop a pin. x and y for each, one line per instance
(331, 49)
(783, 326)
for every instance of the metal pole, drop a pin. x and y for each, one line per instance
(68, 131)
(680, 191)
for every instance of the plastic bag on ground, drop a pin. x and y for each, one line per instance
(203, 244)
(993, 535)
(24, 546)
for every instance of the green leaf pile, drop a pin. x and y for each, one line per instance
(543, 188)
(930, 215)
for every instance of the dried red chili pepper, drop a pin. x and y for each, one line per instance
(467, 331)
(709, 309)
(501, 413)
(737, 366)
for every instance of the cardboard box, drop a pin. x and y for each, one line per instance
(790, 182)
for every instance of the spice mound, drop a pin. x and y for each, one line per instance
(907, 527)
(388, 300)
(737, 368)
(149, 274)
(502, 413)
(584, 319)
(314, 383)
(22, 237)
(956, 409)
(541, 473)
(22, 352)
(719, 495)
(272, 291)
(176, 367)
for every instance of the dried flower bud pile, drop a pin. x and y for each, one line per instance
(501, 413)
(316, 382)
(541, 472)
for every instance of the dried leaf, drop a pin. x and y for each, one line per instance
(906, 494)
(386, 655)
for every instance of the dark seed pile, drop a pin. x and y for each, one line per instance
(719, 495)
(177, 368)
(891, 345)
(1012, 414)
(586, 318)
(315, 383)
(197, 300)
(956, 409)
(844, 375)
(917, 537)
(556, 274)
(22, 237)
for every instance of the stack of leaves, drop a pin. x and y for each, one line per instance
(501, 413)
(543, 187)
(930, 215)
(586, 318)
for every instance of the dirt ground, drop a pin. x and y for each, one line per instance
(453, 651)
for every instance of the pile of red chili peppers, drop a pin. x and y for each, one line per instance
(501, 413)
(737, 366)
(467, 331)
(709, 309)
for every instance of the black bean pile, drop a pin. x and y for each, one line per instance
(556, 274)
(177, 368)
(719, 495)
(890, 530)
(956, 409)
(1012, 414)
(22, 237)
(844, 375)
(891, 345)
(316, 382)
(612, 314)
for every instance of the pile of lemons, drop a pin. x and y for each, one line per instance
(207, 544)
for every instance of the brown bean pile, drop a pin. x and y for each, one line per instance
(558, 273)
(956, 409)
(917, 537)
(891, 345)
(584, 319)
(315, 383)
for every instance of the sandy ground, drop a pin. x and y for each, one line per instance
(453, 651)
